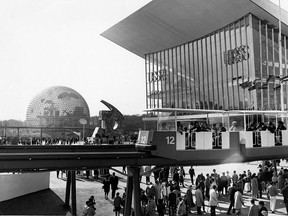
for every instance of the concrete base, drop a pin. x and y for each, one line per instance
(15, 185)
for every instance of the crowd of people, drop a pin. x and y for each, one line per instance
(166, 195)
(217, 130)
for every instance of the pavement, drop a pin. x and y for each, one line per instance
(51, 201)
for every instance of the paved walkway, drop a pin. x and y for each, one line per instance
(51, 201)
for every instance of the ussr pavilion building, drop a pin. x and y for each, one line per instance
(206, 54)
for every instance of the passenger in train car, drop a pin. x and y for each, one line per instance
(205, 127)
(281, 126)
(196, 127)
(271, 127)
(221, 128)
(215, 136)
(251, 127)
(261, 126)
(180, 128)
(278, 133)
(233, 126)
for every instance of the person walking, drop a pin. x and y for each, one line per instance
(114, 180)
(181, 176)
(262, 209)
(189, 197)
(181, 208)
(254, 186)
(231, 192)
(285, 196)
(117, 204)
(91, 210)
(253, 210)
(272, 192)
(213, 201)
(238, 201)
(161, 208)
(147, 174)
(192, 174)
(106, 187)
(199, 199)
(151, 206)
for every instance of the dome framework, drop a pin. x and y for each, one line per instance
(57, 106)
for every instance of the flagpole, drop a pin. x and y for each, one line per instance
(280, 60)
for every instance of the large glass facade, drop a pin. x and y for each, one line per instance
(235, 67)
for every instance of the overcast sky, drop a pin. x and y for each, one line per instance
(45, 43)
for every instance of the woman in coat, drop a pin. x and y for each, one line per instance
(199, 199)
(254, 186)
(189, 197)
(238, 200)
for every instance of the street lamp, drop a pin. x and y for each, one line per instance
(83, 122)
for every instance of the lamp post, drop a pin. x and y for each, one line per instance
(280, 61)
(83, 122)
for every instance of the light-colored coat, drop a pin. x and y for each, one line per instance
(199, 198)
(213, 201)
(238, 200)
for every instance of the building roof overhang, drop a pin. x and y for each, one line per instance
(162, 24)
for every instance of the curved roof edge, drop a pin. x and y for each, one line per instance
(162, 24)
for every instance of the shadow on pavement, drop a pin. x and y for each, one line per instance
(44, 202)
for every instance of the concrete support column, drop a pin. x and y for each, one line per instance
(73, 195)
(136, 191)
(128, 199)
(68, 187)
(71, 187)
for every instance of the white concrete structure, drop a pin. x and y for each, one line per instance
(15, 185)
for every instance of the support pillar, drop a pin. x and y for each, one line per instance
(128, 198)
(136, 191)
(68, 187)
(73, 195)
(133, 192)
(71, 187)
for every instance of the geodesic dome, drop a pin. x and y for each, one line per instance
(57, 106)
